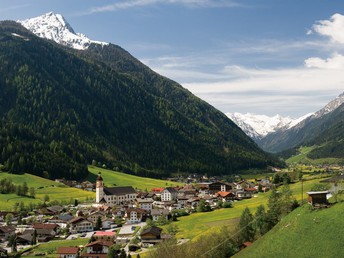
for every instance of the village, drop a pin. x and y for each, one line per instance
(122, 216)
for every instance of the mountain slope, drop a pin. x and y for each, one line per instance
(61, 108)
(303, 233)
(313, 130)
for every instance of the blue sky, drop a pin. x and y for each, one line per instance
(258, 56)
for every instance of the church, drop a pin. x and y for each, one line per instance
(113, 195)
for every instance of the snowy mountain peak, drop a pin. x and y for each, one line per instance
(258, 126)
(331, 106)
(54, 27)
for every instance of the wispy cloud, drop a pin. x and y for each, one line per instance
(14, 7)
(126, 4)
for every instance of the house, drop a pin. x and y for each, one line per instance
(318, 198)
(169, 194)
(6, 232)
(193, 202)
(26, 237)
(187, 191)
(107, 236)
(80, 225)
(252, 190)
(182, 201)
(159, 213)
(45, 231)
(225, 196)
(151, 236)
(146, 203)
(136, 215)
(97, 249)
(219, 186)
(114, 195)
(67, 252)
(93, 217)
(107, 223)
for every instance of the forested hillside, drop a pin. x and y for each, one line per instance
(61, 108)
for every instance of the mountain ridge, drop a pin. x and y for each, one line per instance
(65, 107)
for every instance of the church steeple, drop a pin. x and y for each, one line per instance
(99, 188)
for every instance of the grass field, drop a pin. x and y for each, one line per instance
(196, 224)
(42, 186)
(302, 158)
(49, 249)
(303, 233)
(112, 178)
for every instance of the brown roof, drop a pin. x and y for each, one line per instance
(224, 194)
(138, 210)
(156, 231)
(7, 229)
(76, 220)
(67, 250)
(119, 190)
(44, 226)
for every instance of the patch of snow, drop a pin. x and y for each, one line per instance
(54, 27)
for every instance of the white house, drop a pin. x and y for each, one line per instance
(146, 203)
(79, 225)
(169, 194)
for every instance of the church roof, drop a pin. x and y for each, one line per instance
(99, 177)
(120, 190)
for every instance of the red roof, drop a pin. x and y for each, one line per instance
(250, 189)
(246, 244)
(223, 194)
(104, 233)
(67, 250)
(157, 190)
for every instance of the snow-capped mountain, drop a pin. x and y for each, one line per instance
(54, 27)
(258, 126)
(331, 106)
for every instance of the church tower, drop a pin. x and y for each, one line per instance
(99, 188)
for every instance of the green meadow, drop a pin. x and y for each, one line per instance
(113, 178)
(55, 191)
(197, 224)
(303, 233)
(49, 249)
(302, 158)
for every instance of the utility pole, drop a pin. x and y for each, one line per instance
(301, 191)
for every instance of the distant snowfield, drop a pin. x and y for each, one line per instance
(258, 126)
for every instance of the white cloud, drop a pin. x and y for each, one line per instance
(334, 62)
(126, 4)
(333, 28)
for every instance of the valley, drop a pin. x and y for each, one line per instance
(103, 155)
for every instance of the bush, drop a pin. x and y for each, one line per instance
(227, 205)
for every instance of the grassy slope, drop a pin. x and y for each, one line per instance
(55, 191)
(303, 233)
(112, 178)
(59, 192)
(197, 224)
(50, 248)
(302, 158)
